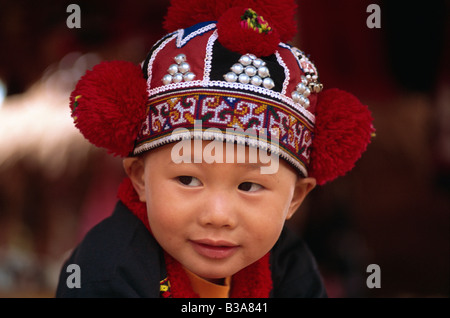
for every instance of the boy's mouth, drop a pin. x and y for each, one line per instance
(214, 249)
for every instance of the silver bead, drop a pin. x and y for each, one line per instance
(303, 100)
(177, 78)
(245, 60)
(180, 58)
(306, 104)
(318, 88)
(167, 79)
(307, 92)
(189, 76)
(256, 80)
(250, 71)
(268, 83)
(301, 87)
(172, 69)
(304, 80)
(184, 67)
(230, 77)
(295, 96)
(244, 78)
(258, 63)
(252, 56)
(237, 68)
(263, 71)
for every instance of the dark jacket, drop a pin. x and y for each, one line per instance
(120, 258)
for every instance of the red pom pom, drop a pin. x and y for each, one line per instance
(185, 13)
(109, 105)
(243, 39)
(342, 132)
(182, 14)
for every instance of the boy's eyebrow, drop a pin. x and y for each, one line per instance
(240, 165)
(251, 166)
(186, 159)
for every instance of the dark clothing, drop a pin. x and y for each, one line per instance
(120, 258)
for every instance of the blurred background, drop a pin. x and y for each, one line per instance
(392, 210)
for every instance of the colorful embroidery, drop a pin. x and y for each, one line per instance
(164, 288)
(223, 110)
(251, 20)
(75, 105)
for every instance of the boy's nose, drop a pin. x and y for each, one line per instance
(218, 211)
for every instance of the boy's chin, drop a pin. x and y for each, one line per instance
(214, 273)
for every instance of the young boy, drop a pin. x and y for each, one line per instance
(202, 131)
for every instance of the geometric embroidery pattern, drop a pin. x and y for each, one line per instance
(224, 109)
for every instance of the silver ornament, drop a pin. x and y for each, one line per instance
(250, 70)
(306, 104)
(180, 58)
(172, 69)
(318, 88)
(177, 78)
(304, 80)
(256, 80)
(258, 63)
(263, 71)
(303, 100)
(184, 67)
(244, 78)
(167, 79)
(295, 96)
(237, 68)
(230, 77)
(268, 83)
(307, 92)
(301, 87)
(245, 60)
(252, 56)
(189, 76)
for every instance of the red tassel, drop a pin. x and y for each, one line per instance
(109, 105)
(342, 132)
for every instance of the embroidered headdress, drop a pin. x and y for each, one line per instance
(227, 65)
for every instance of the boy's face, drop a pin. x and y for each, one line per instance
(215, 218)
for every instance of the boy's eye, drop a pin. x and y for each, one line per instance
(189, 181)
(249, 186)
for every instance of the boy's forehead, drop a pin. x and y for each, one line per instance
(213, 153)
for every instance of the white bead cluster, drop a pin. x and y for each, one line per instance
(310, 81)
(310, 71)
(178, 72)
(301, 93)
(250, 70)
